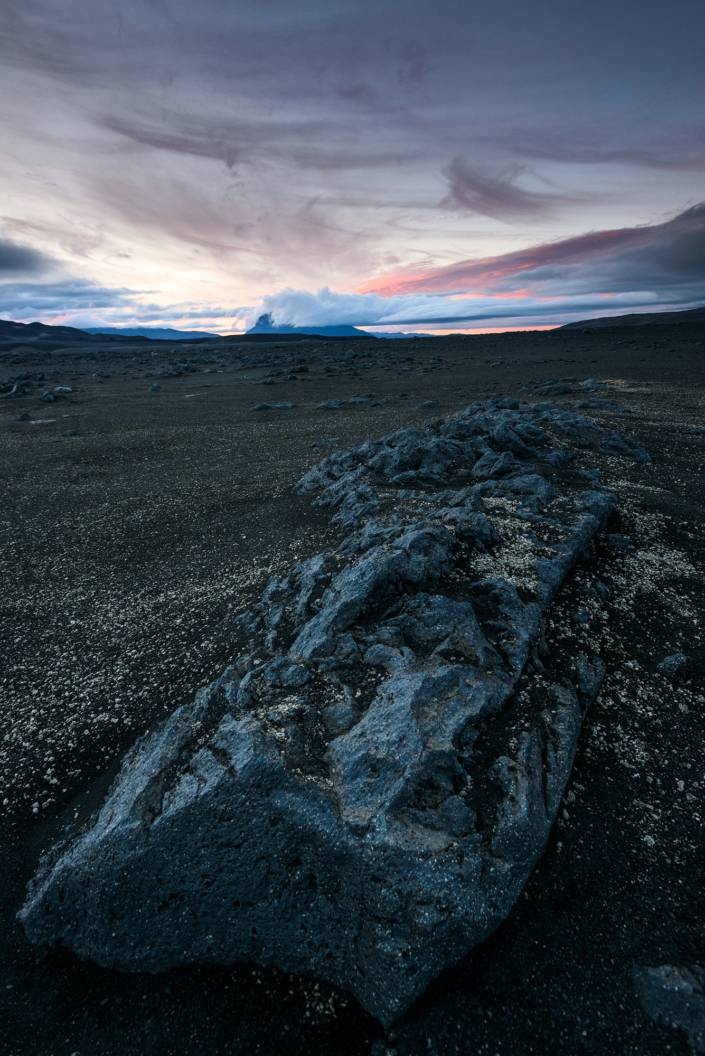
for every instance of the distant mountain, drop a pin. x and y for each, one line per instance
(44, 337)
(49, 338)
(10, 330)
(157, 333)
(396, 334)
(691, 315)
(264, 326)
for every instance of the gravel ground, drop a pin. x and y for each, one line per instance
(128, 547)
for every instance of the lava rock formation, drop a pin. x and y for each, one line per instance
(363, 794)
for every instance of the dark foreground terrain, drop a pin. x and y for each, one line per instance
(137, 523)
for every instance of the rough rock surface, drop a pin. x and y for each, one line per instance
(364, 793)
(674, 996)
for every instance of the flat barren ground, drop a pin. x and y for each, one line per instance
(136, 524)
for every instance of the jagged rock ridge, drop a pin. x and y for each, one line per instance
(364, 793)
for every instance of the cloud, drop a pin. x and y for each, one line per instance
(205, 143)
(680, 149)
(500, 197)
(247, 147)
(650, 267)
(301, 140)
(81, 302)
(21, 300)
(16, 258)
(660, 257)
(325, 307)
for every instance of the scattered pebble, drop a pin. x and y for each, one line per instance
(675, 666)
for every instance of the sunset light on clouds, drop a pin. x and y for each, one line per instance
(475, 166)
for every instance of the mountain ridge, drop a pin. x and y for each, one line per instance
(154, 333)
(690, 315)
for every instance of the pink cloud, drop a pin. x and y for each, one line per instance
(675, 249)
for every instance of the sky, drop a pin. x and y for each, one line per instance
(483, 164)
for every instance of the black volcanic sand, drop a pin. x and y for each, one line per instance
(127, 549)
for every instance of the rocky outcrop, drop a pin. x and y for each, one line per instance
(363, 794)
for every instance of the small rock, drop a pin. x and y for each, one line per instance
(69, 432)
(675, 666)
(271, 406)
(332, 405)
(493, 464)
(619, 542)
(339, 717)
(426, 405)
(62, 390)
(624, 447)
(595, 404)
(155, 388)
(24, 417)
(601, 589)
(558, 388)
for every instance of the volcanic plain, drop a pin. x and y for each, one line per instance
(145, 506)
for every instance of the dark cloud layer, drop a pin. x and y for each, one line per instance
(16, 258)
(23, 299)
(579, 82)
(660, 257)
(500, 196)
(222, 144)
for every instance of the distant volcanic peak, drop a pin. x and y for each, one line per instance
(264, 325)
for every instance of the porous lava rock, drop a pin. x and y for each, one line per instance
(363, 794)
